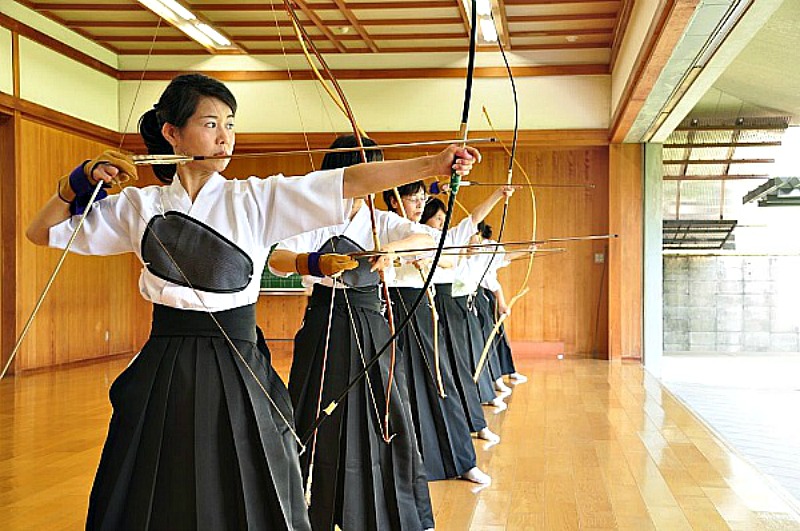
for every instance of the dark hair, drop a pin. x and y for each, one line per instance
(177, 104)
(405, 190)
(343, 159)
(485, 230)
(433, 207)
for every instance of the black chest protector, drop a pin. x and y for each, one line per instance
(182, 250)
(360, 277)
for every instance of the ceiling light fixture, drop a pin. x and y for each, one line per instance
(486, 23)
(190, 24)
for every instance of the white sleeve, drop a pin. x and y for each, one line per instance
(394, 227)
(307, 242)
(490, 282)
(105, 231)
(461, 233)
(293, 205)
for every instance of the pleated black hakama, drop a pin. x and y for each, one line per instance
(358, 481)
(453, 324)
(441, 427)
(193, 442)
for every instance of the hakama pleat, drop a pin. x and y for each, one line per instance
(443, 435)
(358, 481)
(500, 341)
(193, 442)
(453, 324)
(475, 342)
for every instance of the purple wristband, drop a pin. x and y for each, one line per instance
(435, 188)
(83, 190)
(313, 264)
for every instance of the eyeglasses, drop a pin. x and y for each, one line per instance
(418, 198)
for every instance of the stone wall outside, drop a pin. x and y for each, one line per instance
(727, 303)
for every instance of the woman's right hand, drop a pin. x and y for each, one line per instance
(457, 159)
(109, 166)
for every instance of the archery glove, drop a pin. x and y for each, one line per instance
(81, 181)
(323, 264)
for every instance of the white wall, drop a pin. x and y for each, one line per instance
(6, 70)
(39, 22)
(57, 82)
(563, 102)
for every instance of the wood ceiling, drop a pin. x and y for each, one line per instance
(126, 27)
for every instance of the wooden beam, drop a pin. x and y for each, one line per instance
(319, 23)
(499, 9)
(620, 28)
(561, 17)
(665, 31)
(59, 120)
(255, 142)
(42, 6)
(15, 63)
(45, 40)
(400, 73)
(564, 33)
(464, 16)
(354, 22)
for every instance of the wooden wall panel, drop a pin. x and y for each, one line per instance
(565, 288)
(626, 284)
(91, 295)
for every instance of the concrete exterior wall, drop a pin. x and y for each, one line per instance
(731, 303)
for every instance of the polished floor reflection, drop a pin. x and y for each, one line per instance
(585, 445)
(751, 400)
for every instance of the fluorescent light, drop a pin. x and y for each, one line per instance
(196, 34)
(179, 9)
(214, 34)
(186, 21)
(488, 30)
(159, 9)
(484, 7)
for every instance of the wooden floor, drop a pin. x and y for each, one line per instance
(585, 445)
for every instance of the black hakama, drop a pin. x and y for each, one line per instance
(443, 435)
(358, 481)
(486, 305)
(194, 442)
(453, 324)
(475, 341)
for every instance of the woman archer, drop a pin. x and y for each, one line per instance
(353, 478)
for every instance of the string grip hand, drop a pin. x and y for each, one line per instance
(323, 264)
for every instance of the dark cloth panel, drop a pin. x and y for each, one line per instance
(193, 442)
(358, 481)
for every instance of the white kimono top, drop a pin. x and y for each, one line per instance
(490, 282)
(254, 214)
(391, 227)
(458, 235)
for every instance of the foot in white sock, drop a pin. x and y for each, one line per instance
(517, 378)
(499, 404)
(476, 475)
(501, 387)
(488, 435)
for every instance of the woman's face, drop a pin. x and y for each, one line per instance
(414, 204)
(437, 220)
(209, 132)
